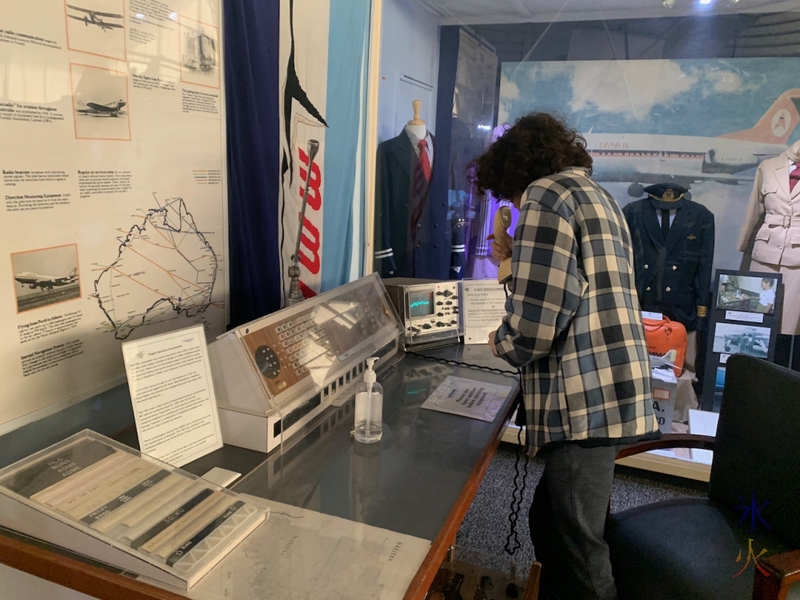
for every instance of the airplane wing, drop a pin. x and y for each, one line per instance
(112, 25)
(109, 15)
(684, 180)
(100, 107)
(726, 178)
(76, 18)
(80, 9)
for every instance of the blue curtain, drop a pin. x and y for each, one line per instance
(253, 120)
(349, 32)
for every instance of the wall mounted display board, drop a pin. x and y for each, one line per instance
(105, 501)
(744, 319)
(113, 196)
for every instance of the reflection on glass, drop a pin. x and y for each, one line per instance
(365, 467)
(693, 94)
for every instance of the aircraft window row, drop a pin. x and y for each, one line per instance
(633, 154)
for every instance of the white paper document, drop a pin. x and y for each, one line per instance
(736, 315)
(302, 554)
(468, 398)
(703, 422)
(169, 377)
(483, 304)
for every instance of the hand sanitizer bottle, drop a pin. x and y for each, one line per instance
(369, 407)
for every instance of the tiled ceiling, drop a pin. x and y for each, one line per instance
(472, 12)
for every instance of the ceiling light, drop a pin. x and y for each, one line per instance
(705, 1)
(669, 3)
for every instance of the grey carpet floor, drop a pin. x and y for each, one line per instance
(486, 527)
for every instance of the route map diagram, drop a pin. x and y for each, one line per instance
(164, 267)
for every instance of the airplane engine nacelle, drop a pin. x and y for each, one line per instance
(727, 161)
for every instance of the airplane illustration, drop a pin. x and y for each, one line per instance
(93, 17)
(644, 159)
(666, 360)
(112, 109)
(45, 282)
(754, 344)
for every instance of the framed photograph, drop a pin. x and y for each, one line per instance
(45, 276)
(746, 293)
(731, 338)
(743, 319)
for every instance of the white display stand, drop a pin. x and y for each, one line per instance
(274, 375)
(103, 500)
(172, 394)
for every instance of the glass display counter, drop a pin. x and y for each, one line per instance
(381, 516)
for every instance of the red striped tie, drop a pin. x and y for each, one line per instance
(794, 177)
(422, 177)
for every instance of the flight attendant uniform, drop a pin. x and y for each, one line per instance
(772, 223)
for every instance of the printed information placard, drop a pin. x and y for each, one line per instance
(173, 396)
(484, 307)
(468, 398)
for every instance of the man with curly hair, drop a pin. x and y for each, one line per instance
(573, 327)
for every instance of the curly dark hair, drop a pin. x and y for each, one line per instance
(538, 145)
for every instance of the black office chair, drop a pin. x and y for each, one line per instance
(687, 549)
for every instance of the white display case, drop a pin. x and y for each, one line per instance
(273, 375)
(101, 499)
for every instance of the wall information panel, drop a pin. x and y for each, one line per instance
(113, 196)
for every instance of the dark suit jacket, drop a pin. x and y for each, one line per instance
(429, 257)
(685, 275)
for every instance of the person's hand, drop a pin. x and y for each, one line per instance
(491, 343)
(498, 252)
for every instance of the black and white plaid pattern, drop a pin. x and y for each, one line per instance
(573, 322)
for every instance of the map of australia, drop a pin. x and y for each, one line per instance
(164, 267)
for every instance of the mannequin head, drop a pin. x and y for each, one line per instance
(416, 125)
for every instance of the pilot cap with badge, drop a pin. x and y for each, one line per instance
(668, 192)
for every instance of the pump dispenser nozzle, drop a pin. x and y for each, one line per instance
(369, 374)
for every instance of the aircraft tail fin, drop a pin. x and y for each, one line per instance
(74, 272)
(777, 124)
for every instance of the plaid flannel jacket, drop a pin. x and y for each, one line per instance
(572, 320)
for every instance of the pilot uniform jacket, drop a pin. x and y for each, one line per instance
(684, 280)
(429, 255)
(572, 323)
(772, 224)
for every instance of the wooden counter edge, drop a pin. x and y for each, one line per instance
(75, 574)
(426, 573)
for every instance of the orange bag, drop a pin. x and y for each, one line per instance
(665, 335)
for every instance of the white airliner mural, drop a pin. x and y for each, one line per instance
(642, 159)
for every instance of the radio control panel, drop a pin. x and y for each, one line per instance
(430, 310)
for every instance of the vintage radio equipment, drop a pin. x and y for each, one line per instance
(429, 309)
(275, 374)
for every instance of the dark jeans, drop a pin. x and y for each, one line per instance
(567, 520)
